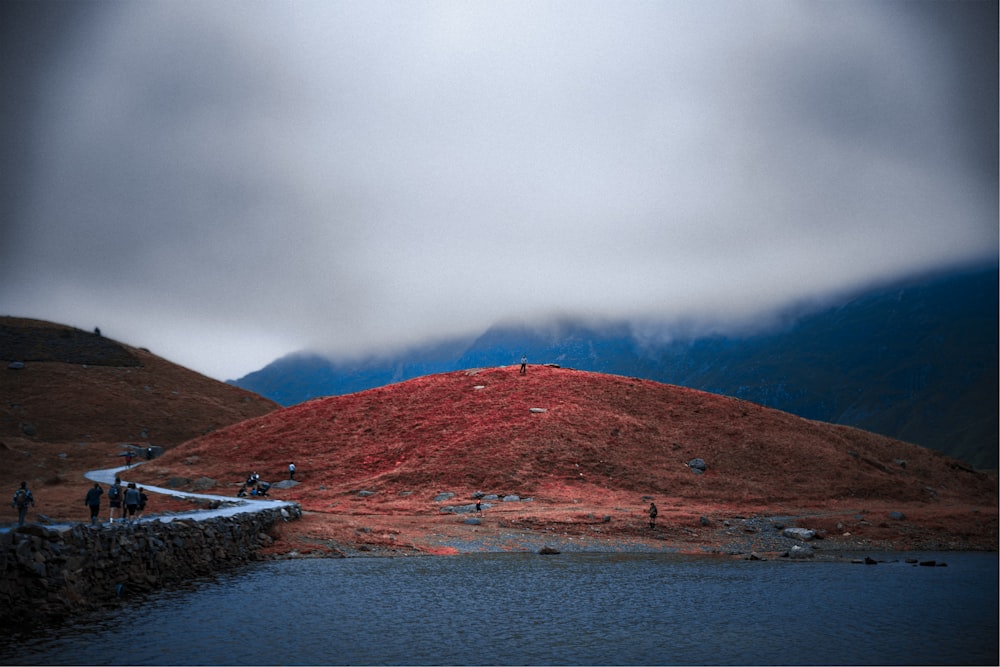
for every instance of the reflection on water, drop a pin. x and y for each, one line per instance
(566, 609)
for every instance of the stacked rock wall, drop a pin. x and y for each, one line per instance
(52, 573)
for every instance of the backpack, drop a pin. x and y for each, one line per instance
(22, 498)
(114, 493)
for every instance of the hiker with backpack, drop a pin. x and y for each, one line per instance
(115, 498)
(22, 498)
(93, 501)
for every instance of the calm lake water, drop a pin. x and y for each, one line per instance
(498, 609)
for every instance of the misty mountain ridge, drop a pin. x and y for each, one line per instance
(916, 361)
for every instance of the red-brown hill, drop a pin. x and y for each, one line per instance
(579, 444)
(70, 400)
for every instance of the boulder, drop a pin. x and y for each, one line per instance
(698, 465)
(511, 498)
(441, 497)
(204, 483)
(803, 534)
(798, 551)
(285, 484)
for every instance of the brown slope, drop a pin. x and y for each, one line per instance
(602, 442)
(79, 397)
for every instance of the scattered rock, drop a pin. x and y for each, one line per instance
(705, 521)
(698, 465)
(15, 365)
(512, 498)
(897, 516)
(285, 484)
(548, 551)
(441, 497)
(364, 493)
(538, 410)
(472, 521)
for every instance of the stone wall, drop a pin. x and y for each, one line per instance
(52, 573)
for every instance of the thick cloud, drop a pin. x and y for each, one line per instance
(226, 183)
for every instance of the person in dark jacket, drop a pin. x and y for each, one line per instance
(652, 515)
(93, 501)
(115, 498)
(131, 501)
(22, 499)
(143, 499)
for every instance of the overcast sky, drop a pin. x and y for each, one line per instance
(228, 182)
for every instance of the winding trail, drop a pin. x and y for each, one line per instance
(231, 506)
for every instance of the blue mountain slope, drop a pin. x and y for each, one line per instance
(917, 361)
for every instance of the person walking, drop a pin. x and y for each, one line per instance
(291, 471)
(22, 499)
(131, 501)
(652, 515)
(93, 501)
(128, 459)
(115, 498)
(524, 364)
(143, 499)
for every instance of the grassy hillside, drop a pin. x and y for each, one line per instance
(71, 400)
(561, 434)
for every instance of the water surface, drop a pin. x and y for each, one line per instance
(501, 609)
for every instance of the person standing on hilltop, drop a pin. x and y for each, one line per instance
(93, 501)
(652, 515)
(22, 498)
(524, 364)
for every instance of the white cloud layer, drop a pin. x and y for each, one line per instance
(229, 182)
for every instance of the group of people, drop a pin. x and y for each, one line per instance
(129, 501)
(254, 486)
